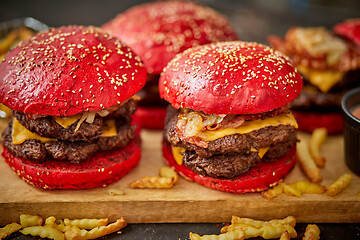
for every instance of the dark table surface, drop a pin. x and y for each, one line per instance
(252, 19)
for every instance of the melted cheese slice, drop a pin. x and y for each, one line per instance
(249, 126)
(20, 134)
(109, 128)
(176, 153)
(68, 120)
(324, 80)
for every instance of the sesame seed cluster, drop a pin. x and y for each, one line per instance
(158, 31)
(230, 78)
(68, 70)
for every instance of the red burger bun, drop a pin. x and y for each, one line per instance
(157, 31)
(259, 178)
(66, 71)
(309, 121)
(52, 174)
(150, 118)
(349, 29)
(43, 82)
(232, 78)
(213, 86)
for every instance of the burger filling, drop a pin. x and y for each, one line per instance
(149, 94)
(72, 138)
(228, 145)
(329, 66)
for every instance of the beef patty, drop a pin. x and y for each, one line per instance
(65, 150)
(231, 155)
(312, 99)
(46, 126)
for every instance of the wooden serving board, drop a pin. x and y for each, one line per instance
(186, 201)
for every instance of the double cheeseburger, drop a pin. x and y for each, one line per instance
(157, 32)
(70, 90)
(330, 66)
(229, 126)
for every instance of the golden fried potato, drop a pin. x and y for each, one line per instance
(301, 187)
(339, 185)
(312, 232)
(75, 233)
(86, 223)
(168, 177)
(9, 229)
(274, 191)
(27, 220)
(285, 236)
(318, 137)
(306, 162)
(233, 235)
(258, 223)
(44, 232)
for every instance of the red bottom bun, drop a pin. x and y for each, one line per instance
(151, 118)
(259, 178)
(98, 171)
(308, 121)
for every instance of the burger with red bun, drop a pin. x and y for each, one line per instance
(330, 66)
(157, 32)
(70, 90)
(229, 126)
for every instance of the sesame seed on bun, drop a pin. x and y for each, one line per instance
(71, 93)
(157, 31)
(229, 126)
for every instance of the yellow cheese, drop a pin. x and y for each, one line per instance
(109, 128)
(262, 151)
(68, 120)
(176, 153)
(249, 126)
(324, 80)
(20, 134)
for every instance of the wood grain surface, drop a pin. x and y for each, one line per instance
(186, 201)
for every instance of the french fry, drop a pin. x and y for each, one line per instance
(306, 162)
(75, 233)
(9, 229)
(273, 192)
(168, 172)
(312, 232)
(233, 235)
(341, 183)
(51, 222)
(258, 223)
(152, 182)
(285, 236)
(27, 220)
(267, 231)
(8, 41)
(301, 187)
(168, 177)
(86, 223)
(44, 232)
(318, 137)
(116, 192)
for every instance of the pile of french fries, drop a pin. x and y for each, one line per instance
(77, 229)
(244, 228)
(311, 160)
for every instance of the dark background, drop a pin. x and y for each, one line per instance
(253, 21)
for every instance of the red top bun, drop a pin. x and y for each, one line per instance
(349, 29)
(69, 70)
(230, 78)
(158, 31)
